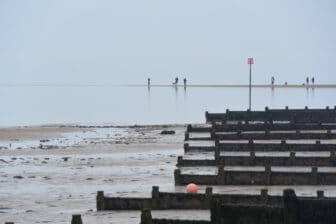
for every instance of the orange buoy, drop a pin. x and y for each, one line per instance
(191, 188)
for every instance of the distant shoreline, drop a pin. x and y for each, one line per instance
(316, 86)
(241, 86)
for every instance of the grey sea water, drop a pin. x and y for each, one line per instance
(34, 105)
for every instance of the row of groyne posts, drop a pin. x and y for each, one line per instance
(269, 145)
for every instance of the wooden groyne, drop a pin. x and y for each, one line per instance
(170, 200)
(252, 160)
(282, 146)
(293, 211)
(265, 135)
(251, 132)
(266, 177)
(306, 115)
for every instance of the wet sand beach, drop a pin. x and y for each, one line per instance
(48, 185)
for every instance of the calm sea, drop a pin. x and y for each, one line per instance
(35, 105)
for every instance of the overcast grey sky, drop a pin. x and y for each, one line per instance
(82, 41)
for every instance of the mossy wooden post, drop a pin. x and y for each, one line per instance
(329, 133)
(216, 142)
(268, 175)
(333, 157)
(215, 209)
(292, 158)
(76, 219)
(221, 175)
(291, 207)
(264, 196)
(146, 216)
(186, 136)
(314, 177)
(208, 195)
(252, 158)
(189, 128)
(212, 134)
(177, 176)
(283, 143)
(155, 197)
(217, 154)
(320, 194)
(186, 147)
(251, 144)
(100, 201)
(179, 161)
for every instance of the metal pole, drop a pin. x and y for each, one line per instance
(250, 87)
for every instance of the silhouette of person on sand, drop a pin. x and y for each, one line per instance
(313, 80)
(307, 81)
(185, 82)
(272, 80)
(176, 81)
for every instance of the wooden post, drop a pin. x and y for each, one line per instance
(155, 197)
(252, 158)
(146, 216)
(189, 128)
(216, 142)
(292, 158)
(100, 201)
(186, 147)
(333, 157)
(217, 154)
(320, 194)
(264, 195)
(76, 219)
(328, 133)
(179, 160)
(291, 207)
(212, 134)
(177, 176)
(215, 208)
(314, 177)
(283, 141)
(221, 175)
(186, 136)
(155, 192)
(208, 195)
(268, 175)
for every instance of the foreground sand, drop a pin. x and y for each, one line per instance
(39, 186)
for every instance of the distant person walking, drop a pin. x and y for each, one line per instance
(176, 81)
(307, 81)
(185, 83)
(148, 81)
(313, 80)
(272, 80)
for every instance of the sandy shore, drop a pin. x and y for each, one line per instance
(48, 185)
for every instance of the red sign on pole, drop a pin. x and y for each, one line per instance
(250, 61)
